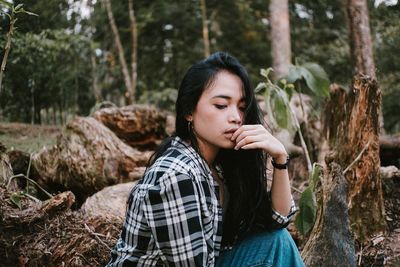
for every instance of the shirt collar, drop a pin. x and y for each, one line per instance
(189, 150)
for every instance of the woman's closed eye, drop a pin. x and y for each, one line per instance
(220, 106)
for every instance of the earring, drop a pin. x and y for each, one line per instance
(189, 126)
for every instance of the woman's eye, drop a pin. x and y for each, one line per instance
(220, 106)
(243, 109)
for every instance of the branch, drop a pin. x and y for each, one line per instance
(357, 159)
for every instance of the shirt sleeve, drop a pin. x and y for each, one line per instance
(173, 212)
(281, 220)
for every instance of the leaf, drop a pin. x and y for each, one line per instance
(265, 72)
(259, 87)
(306, 217)
(16, 199)
(6, 3)
(18, 7)
(293, 75)
(321, 79)
(267, 99)
(281, 110)
(28, 12)
(314, 176)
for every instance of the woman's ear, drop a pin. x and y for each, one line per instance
(189, 117)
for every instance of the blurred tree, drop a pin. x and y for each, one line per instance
(360, 37)
(280, 37)
(129, 76)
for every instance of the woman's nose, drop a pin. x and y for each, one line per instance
(235, 116)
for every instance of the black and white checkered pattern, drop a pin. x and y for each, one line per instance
(173, 216)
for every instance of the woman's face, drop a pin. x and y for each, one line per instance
(219, 112)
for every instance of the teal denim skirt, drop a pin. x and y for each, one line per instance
(266, 249)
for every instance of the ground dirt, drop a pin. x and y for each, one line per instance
(86, 241)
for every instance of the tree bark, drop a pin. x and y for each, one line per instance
(133, 28)
(206, 39)
(50, 234)
(120, 51)
(330, 242)
(352, 132)
(280, 37)
(139, 126)
(360, 37)
(87, 157)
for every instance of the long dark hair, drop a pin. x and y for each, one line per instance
(244, 170)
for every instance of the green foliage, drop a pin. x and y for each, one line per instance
(170, 40)
(277, 97)
(16, 199)
(164, 99)
(306, 216)
(313, 74)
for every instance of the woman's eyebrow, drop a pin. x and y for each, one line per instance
(227, 97)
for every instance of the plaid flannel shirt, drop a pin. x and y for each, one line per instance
(174, 217)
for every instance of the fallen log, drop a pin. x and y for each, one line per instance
(139, 126)
(330, 242)
(389, 146)
(110, 201)
(5, 167)
(87, 157)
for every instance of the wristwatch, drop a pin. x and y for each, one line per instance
(278, 166)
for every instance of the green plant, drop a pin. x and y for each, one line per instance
(13, 11)
(277, 98)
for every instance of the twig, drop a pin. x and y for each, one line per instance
(357, 159)
(360, 258)
(31, 197)
(83, 257)
(32, 181)
(98, 239)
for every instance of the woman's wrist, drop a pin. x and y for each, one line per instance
(281, 158)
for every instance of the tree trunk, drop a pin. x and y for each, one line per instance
(330, 242)
(352, 128)
(120, 51)
(280, 37)
(133, 28)
(360, 37)
(96, 89)
(206, 39)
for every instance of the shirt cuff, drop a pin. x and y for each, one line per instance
(284, 220)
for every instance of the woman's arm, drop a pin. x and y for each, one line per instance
(257, 137)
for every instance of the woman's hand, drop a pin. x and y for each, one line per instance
(256, 136)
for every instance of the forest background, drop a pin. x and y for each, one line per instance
(65, 59)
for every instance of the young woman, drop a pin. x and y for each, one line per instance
(203, 200)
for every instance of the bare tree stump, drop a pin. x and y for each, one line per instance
(87, 157)
(139, 126)
(330, 242)
(352, 131)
